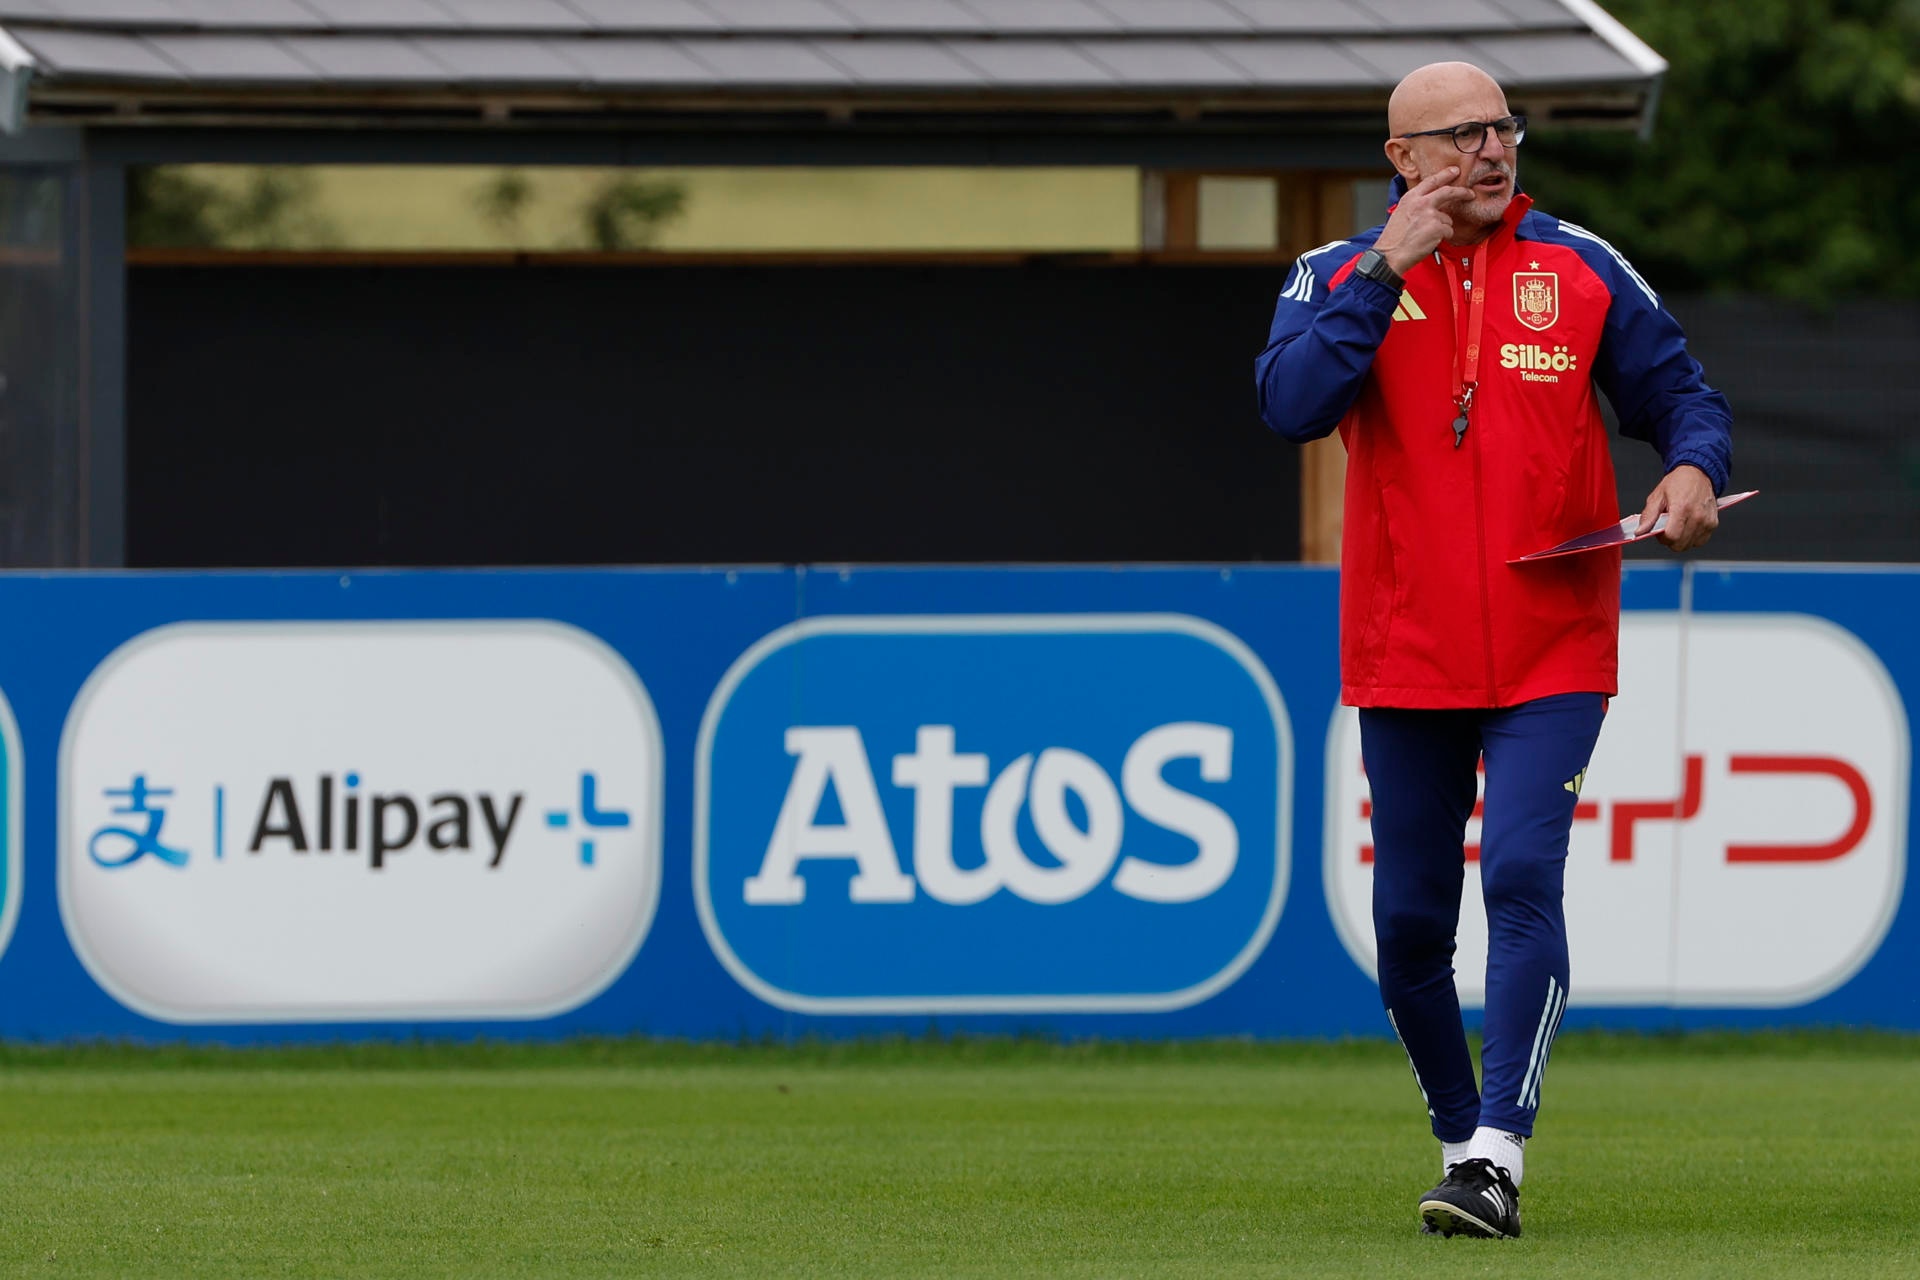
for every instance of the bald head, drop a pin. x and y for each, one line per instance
(1439, 96)
(1431, 95)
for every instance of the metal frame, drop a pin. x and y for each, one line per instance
(1307, 144)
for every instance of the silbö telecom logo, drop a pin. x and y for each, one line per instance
(982, 814)
(346, 821)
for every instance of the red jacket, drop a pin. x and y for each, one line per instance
(1432, 615)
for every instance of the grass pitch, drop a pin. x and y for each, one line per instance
(1691, 1156)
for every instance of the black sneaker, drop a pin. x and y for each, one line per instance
(1477, 1198)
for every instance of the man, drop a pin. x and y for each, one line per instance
(1458, 349)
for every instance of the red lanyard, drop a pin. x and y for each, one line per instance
(1466, 358)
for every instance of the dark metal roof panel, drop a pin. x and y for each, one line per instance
(1551, 59)
(1394, 56)
(245, 15)
(233, 59)
(1320, 64)
(385, 15)
(1280, 17)
(772, 63)
(1034, 64)
(619, 62)
(369, 60)
(96, 55)
(900, 63)
(922, 17)
(1164, 62)
(638, 16)
(498, 60)
(1542, 13)
(763, 17)
(519, 15)
(1443, 15)
(1010, 18)
(956, 63)
(102, 12)
(1026, 17)
(1169, 17)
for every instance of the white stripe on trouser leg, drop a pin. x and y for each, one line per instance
(1417, 1082)
(1533, 1102)
(1552, 1037)
(1539, 1037)
(1543, 1045)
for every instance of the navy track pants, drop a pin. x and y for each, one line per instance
(1422, 766)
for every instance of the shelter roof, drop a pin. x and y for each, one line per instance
(239, 61)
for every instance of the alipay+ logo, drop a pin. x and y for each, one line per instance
(979, 814)
(322, 816)
(340, 821)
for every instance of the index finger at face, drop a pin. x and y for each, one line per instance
(1436, 181)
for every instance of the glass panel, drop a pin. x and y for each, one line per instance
(1239, 213)
(39, 386)
(1370, 197)
(706, 210)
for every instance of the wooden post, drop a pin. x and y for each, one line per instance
(1323, 483)
(1183, 210)
(1319, 209)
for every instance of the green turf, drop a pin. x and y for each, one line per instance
(1726, 1156)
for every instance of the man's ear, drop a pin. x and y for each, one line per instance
(1400, 156)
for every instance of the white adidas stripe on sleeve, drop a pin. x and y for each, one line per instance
(1301, 290)
(1584, 234)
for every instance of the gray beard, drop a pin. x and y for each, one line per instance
(1485, 212)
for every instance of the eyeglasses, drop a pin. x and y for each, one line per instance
(1472, 135)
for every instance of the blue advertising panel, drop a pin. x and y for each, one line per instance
(1117, 801)
(1008, 795)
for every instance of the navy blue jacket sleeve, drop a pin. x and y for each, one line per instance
(1321, 346)
(1657, 389)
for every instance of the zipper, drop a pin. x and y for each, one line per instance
(1486, 593)
(1472, 280)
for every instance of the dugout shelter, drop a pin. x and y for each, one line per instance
(184, 409)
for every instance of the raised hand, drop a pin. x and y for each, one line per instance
(1422, 220)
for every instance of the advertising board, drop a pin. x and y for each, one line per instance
(1116, 801)
(1754, 857)
(337, 820)
(1056, 781)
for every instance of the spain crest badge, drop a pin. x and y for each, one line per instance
(1536, 298)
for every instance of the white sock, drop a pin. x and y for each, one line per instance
(1507, 1150)
(1451, 1154)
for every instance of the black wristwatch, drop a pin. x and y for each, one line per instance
(1374, 266)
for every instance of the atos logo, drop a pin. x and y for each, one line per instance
(986, 814)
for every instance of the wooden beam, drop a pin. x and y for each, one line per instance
(1318, 208)
(1182, 226)
(1323, 483)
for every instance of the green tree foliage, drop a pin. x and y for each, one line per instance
(502, 200)
(1776, 164)
(274, 208)
(628, 213)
